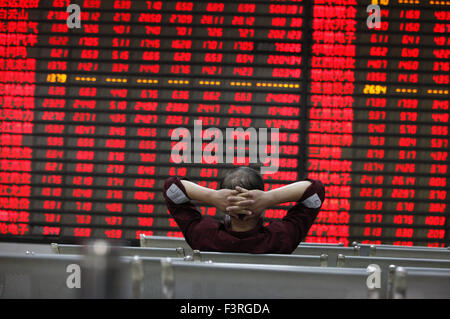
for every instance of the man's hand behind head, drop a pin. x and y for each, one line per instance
(238, 206)
(220, 198)
(254, 201)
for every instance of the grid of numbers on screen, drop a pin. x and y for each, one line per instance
(87, 114)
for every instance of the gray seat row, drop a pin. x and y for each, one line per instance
(402, 251)
(332, 250)
(249, 281)
(40, 275)
(52, 276)
(173, 242)
(179, 252)
(313, 256)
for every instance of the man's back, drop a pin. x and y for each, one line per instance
(208, 234)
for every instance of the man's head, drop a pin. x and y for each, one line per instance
(249, 179)
(244, 177)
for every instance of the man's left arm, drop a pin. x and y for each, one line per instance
(301, 216)
(179, 204)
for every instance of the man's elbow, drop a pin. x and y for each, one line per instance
(174, 191)
(168, 182)
(320, 190)
(314, 195)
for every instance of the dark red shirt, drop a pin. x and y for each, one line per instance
(208, 234)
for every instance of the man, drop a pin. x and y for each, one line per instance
(243, 199)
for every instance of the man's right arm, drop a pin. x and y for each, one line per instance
(289, 193)
(301, 216)
(308, 195)
(262, 200)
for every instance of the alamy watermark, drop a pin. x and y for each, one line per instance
(374, 19)
(373, 280)
(74, 19)
(221, 147)
(74, 278)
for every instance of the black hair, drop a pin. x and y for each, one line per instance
(243, 176)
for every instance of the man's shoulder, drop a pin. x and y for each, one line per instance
(208, 223)
(278, 228)
(274, 225)
(280, 237)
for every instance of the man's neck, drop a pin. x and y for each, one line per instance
(241, 226)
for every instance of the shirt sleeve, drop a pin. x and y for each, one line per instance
(184, 212)
(301, 216)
